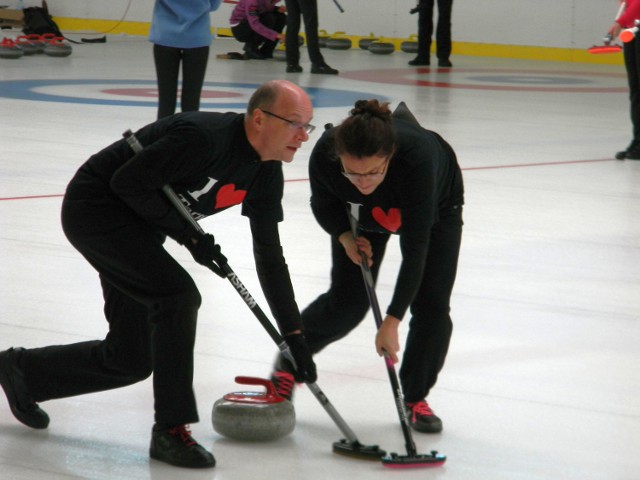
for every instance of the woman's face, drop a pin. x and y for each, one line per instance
(365, 173)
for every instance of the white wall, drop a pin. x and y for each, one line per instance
(547, 23)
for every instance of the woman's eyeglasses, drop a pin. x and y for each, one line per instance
(307, 127)
(366, 176)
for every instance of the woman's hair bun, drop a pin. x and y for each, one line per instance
(372, 108)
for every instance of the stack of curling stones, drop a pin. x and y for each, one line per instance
(253, 416)
(48, 44)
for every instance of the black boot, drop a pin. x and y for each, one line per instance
(251, 52)
(420, 62)
(632, 152)
(294, 68)
(267, 48)
(176, 446)
(23, 407)
(323, 69)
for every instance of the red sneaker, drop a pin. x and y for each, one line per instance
(422, 419)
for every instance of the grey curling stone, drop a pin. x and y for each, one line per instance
(279, 54)
(364, 43)
(36, 40)
(28, 47)
(323, 36)
(381, 48)
(253, 416)
(8, 49)
(57, 47)
(409, 46)
(339, 43)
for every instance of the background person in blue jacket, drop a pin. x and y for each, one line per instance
(181, 34)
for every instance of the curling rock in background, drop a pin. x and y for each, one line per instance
(9, 49)
(409, 46)
(323, 36)
(253, 416)
(381, 48)
(36, 40)
(28, 47)
(57, 47)
(364, 42)
(339, 43)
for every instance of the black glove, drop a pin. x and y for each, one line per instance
(207, 252)
(306, 371)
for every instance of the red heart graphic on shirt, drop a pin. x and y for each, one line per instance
(391, 221)
(228, 196)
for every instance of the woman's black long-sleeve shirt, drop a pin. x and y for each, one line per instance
(423, 180)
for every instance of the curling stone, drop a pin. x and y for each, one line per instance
(337, 42)
(411, 45)
(323, 36)
(28, 47)
(364, 42)
(57, 47)
(381, 48)
(47, 37)
(9, 49)
(37, 41)
(253, 416)
(280, 54)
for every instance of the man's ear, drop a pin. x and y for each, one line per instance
(257, 118)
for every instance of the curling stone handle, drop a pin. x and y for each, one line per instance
(268, 384)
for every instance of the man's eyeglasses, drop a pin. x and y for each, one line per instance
(307, 127)
(366, 176)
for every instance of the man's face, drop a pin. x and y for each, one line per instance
(284, 125)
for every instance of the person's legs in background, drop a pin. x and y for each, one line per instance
(167, 62)
(275, 21)
(244, 33)
(194, 67)
(309, 9)
(443, 33)
(425, 30)
(631, 51)
(292, 49)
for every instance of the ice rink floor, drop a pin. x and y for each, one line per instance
(542, 381)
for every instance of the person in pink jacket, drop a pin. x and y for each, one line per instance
(631, 52)
(259, 24)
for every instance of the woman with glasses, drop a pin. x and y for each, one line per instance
(395, 178)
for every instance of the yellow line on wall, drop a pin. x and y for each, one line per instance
(114, 27)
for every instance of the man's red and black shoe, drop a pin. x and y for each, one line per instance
(176, 446)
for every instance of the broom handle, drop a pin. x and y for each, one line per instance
(377, 315)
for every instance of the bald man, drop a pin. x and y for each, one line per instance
(115, 214)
